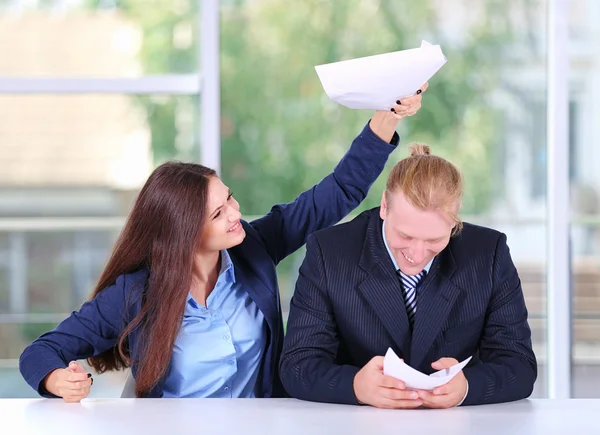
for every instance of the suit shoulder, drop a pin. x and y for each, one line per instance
(127, 285)
(479, 230)
(134, 279)
(345, 233)
(476, 237)
(138, 275)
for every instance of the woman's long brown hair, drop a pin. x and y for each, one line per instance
(162, 234)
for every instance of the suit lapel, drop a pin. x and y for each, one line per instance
(381, 288)
(252, 266)
(259, 291)
(436, 297)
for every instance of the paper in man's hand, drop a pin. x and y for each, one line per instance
(376, 82)
(414, 379)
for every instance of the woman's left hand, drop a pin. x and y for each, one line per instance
(384, 122)
(410, 105)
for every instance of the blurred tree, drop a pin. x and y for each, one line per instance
(280, 133)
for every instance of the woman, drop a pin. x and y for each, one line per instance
(189, 297)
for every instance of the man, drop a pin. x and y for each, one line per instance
(411, 276)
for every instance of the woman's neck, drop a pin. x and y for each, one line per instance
(206, 273)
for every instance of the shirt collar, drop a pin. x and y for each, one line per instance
(227, 265)
(396, 267)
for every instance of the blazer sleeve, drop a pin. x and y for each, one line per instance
(90, 331)
(307, 368)
(508, 367)
(286, 227)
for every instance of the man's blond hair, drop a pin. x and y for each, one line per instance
(428, 182)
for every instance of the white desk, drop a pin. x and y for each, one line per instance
(290, 417)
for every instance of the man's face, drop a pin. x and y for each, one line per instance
(414, 236)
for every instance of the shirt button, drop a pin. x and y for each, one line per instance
(226, 389)
(231, 362)
(226, 337)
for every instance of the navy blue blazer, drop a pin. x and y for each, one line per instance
(348, 307)
(97, 326)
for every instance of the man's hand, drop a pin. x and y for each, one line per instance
(372, 387)
(72, 383)
(447, 395)
(384, 122)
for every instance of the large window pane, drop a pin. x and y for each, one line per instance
(585, 290)
(584, 82)
(98, 146)
(71, 167)
(485, 110)
(98, 38)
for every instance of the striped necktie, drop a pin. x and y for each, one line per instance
(409, 286)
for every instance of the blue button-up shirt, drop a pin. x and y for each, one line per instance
(219, 349)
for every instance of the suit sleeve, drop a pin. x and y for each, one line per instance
(90, 331)
(286, 227)
(508, 367)
(307, 368)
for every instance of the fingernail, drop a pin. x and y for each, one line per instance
(414, 395)
(392, 109)
(398, 102)
(418, 92)
(89, 375)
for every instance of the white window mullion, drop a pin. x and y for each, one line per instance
(559, 258)
(210, 99)
(183, 84)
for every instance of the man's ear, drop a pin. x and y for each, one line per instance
(383, 206)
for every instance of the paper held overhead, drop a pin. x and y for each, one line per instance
(376, 82)
(414, 379)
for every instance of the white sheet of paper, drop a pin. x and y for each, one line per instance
(414, 379)
(376, 82)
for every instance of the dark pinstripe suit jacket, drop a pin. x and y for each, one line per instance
(348, 307)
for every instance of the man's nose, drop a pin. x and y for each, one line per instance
(417, 252)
